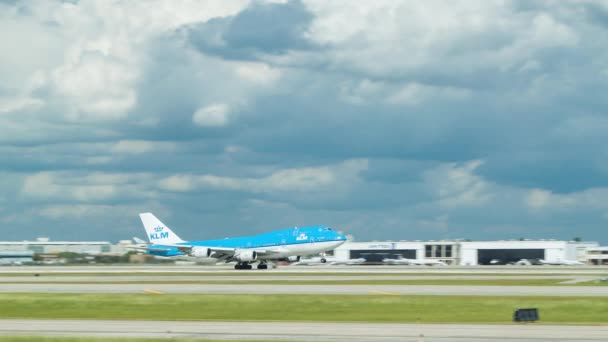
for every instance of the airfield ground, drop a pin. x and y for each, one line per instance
(396, 303)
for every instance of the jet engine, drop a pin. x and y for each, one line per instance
(246, 255)
(200, 252)
(293, 258)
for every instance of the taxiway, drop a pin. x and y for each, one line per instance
(300, 331)
(439, 290)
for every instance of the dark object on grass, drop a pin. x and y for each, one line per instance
(526, 315)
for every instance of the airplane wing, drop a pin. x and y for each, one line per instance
(221, 253)
(148, 248)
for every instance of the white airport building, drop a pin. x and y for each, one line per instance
(452, 252)
(44, 245)
(471, 253)
(597, 256)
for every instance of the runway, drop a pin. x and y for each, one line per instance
(305, 331)
(275, 277)
(584, 291)
(106, 279)
(201, 269)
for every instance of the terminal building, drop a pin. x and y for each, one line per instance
(597, 256)
(471, 253)
(46, 246)
(16, 258)
(451, 252)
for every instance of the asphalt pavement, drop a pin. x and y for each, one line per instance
(585, 291)
(300, 331)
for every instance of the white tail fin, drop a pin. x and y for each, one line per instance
(157, 231)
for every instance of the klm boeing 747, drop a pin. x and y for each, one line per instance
(280, 244)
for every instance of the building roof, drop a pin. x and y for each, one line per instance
(53, 243)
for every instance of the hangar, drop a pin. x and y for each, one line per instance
(511, 251)
(468, 253)
(598, 255)
(376, 251)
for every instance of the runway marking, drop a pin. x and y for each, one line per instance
(385, 293)
(153, 291)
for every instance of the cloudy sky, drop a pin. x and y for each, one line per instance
(385, 119)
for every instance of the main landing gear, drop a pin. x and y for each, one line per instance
(242, 266)
(263, 265)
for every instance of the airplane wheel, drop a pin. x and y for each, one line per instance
(323, 260)
(237, 267)
(247, 267)
(262, 267)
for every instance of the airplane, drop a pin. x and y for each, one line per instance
(262, 248)
(143, 245)
(139, 241)
(322, 260)
(405, 261)
(561, 262)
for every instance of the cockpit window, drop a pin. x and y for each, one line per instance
(326, 228)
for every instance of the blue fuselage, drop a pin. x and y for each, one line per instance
(293, 240)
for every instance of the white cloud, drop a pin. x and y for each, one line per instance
(97, 87)
(416, 93)
(216, 115)
(538, 198)
(363, 92)
(91, 187)
(545, 200)
(142, 146)
(308, 179)
(258, 73)
(391, 38)
(48, 185)
(179, 183)
(74, 211)
(40, 185)
(458, 185)
(95, 211)
(94, 51)
(13, 104)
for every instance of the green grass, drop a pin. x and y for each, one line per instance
(473, 282)
(592, 283)
(337, 308)
(104, 339)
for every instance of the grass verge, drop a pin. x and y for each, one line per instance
(337, 308)
(472, 282)
(103, 339)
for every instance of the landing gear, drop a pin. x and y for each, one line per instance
(242, 266)
(263, 266)
(323, 260)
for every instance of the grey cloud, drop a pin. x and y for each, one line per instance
(262, 28)
(597, 13)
